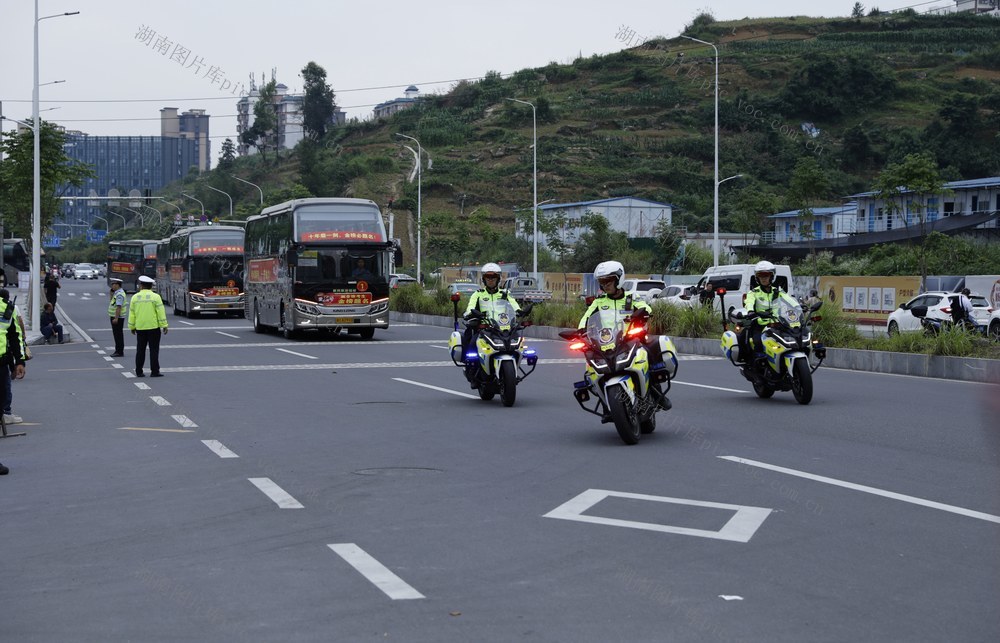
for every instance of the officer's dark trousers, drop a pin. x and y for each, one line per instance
(152, 338)
(118, 330)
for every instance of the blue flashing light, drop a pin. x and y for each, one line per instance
(582, 384)
(530, 351)
(472, 356)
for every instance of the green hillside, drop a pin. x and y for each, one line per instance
(640, 122)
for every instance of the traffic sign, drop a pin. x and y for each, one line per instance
(95, 235)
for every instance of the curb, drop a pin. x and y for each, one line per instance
(966, 369)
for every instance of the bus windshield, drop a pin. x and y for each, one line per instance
(216, 243)
(216, 269)
(314, 223)
(338, 264)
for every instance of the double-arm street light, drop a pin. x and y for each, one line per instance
(107, 226)
(253, 184)
(36, 205)
(420, 163)
(188, 196)
(124, 220)
(159, 215)
(227, 196)
(534, 174)
(142, 220)
(715, 234)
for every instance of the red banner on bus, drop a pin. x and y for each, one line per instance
(343, 298)
(204, 250)
(176, 273)
(220, 291)
(121, 266)
(263, 270)
(339, 235)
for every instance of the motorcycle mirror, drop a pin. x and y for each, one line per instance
(456, 296)
(589, 299)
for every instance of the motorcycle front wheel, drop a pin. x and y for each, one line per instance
(802, 382)
(763, 390)
(623, 415)
(508, 383)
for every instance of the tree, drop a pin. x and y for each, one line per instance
(808, 185)
(262, 133)
(668, 246)
(858, 11)
(905, 188)
(57, 173)
(228, 155)
(318, 105)
(751, 210)
(599, 243)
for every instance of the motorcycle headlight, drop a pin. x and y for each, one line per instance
(599, 364)
(625, 358)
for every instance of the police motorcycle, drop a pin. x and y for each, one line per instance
(781, 362)
(625, 388)
(496, 363)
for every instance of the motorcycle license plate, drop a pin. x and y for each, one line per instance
(345, 320)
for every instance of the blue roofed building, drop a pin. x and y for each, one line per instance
(390, 107)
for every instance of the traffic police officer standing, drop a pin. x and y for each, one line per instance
(11, 341)
(116, 311)
(146, 318)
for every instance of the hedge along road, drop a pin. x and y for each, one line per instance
(355, 503)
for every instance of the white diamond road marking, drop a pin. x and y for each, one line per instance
(184, 421)
(393, 586)
(276, 493)
(740, 528)
(159, 400)
(219, 449)
(863, 488)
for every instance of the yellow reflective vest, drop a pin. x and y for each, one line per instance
(8, 318)
(145, 311)
(117, 299)
(622, 307)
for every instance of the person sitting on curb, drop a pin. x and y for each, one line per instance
(51, 325)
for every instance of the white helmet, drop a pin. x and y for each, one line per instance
(764, 266)
(609, 269)
(490, 269)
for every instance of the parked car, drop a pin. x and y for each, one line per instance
(644, 289)
(677, 295)
(938, 304)
(85, 271)
(994, 325)
(400, 279)
(463, 287)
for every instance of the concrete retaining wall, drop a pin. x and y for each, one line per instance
(952, 368)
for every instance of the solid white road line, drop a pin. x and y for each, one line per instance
(159, 400)
(865, 489)
(717, 388)
(433, 346)
(184, 421)
(393, 586)
(219, 449)
(142, 386)
(228, 334)
(276, 493)
(285, 350)
(436, 388)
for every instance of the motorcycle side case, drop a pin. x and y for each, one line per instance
(730, 346)
(669, 353)
(455, 347)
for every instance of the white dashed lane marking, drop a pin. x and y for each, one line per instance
(285, 350)
(276, 493)
(159, 400)
(393, 586)
(184, 421)
(219, 449)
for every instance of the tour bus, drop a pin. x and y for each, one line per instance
(130, 259)
(162, 259)
(16, 258)
(320, 263)
(205, 270)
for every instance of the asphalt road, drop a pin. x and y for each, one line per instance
(340, 490)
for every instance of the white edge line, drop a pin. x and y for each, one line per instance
(285, 350)
(436, 388)
(392, 585)
(219, 449)
(865, 489)
(276, 493)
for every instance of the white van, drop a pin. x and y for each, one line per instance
(738, 279)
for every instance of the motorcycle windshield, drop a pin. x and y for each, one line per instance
(500, 311)
(787, 310)
(605, 328)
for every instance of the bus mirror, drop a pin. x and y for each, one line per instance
(292, 258)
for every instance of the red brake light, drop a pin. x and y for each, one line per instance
(455, 296)
(589, 300)
(638, 330)
(946, 310)
(577, 346)
(720, 291)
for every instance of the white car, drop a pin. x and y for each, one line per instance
(677, 295)
(84, 271)
(400, 279)
(994, 325)
(644, 289)
(938, 305)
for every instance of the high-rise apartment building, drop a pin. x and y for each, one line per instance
(289, 110)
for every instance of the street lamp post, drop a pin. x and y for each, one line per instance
(715, 233)
(420, 163)
(124, 220)
(142, 219)
(36, 204)
(253, 184)
(183, 194)
(534, 174)
(227, 195)
(159, 215)
(107, 226)
(728, 178)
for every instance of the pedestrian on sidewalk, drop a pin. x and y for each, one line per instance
(52, 287)
(116, 311)
(51, 325)
(146, 319)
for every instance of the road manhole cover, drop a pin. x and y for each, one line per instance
(396, 471)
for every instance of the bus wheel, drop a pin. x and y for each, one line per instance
(289, 333)
(177, 311)
(367, 333)
(257, 326)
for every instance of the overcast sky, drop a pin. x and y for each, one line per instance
(117, 80)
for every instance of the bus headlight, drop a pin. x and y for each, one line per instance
(306, 307)
(379, 306)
